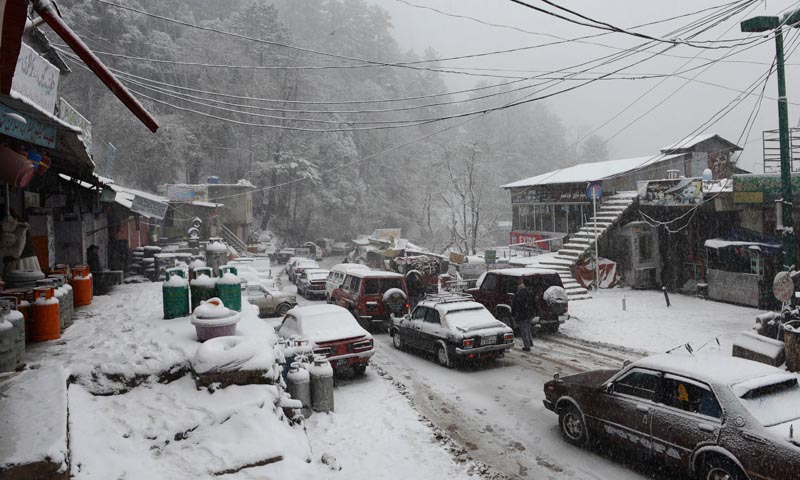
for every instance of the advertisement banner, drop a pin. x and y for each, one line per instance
(672, 193)
(26, 129)
(532, 239)
(184, 193)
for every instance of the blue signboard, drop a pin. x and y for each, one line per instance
(25, 128)
(594, 191)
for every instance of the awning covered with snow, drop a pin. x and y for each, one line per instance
(744, 238)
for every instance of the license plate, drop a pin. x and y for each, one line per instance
(342, 362)
(488, 340)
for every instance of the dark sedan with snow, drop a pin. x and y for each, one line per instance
(715, 417)
(453, 328)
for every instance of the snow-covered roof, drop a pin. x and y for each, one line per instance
(714, 369)
(373, 274)
(688, 142)
(125, 195)
(590, 172)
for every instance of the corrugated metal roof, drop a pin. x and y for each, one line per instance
(590, 172)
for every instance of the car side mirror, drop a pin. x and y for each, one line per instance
(608, 388)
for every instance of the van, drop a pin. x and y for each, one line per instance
(336, 276)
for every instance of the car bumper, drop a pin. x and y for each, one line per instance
(487, 349)
(539, 321)
(350, 359)
(549, 405)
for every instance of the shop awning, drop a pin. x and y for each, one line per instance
(69, 155)
(744, 238)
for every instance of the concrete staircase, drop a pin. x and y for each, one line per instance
(233, 240)
(583, 240)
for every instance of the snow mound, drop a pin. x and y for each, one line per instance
(230, 354)
(229, 278)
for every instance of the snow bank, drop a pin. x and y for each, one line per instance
(174, 431)
(230, 354)
(33, 418)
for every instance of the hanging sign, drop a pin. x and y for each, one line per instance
(25, 128)
(36, 79)
(149, 208)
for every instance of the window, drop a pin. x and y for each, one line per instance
(432, 316)
(489, 283)
(389, 283)
(371, 286)
(509, 284)
(645, 251)
(689, 396)
(638, 383)
(419, 313)
(253, 290)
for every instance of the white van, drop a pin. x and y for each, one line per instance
(337, 274)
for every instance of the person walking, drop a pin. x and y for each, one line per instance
(524, 309)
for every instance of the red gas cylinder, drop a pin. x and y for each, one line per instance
(81, 285)
(44, 321)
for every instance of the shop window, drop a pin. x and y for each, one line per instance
(645, 247)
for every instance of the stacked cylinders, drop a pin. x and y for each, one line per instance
(202, 287)
(175, 293)
(81, 282)
(8, 356)
(229, 287)
(44, 315)
(24, 297)
(8, 304)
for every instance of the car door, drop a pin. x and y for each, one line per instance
(687, 414)
(255, 296)
(622, 412)
(431, 330)
(488, 292)
(413, 335)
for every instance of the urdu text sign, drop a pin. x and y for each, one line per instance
(149, 208)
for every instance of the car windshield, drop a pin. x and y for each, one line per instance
(317, 276)
(774, 403)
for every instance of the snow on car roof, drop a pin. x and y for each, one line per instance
(519, 272)
(308, 311)
(445, 308)
(714, 369)
(346, 267)
(741, 388)
(374, 273)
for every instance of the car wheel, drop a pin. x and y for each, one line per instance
(397, 341)
(442, 357)
(720, 468)
(359, 370)
(282, 309)
(572, 425)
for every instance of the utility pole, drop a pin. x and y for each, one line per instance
(763, 24)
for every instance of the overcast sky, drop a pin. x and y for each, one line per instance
(687, 103)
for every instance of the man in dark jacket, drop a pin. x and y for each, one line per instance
(524, 309)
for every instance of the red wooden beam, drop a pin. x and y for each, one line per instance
(14, 13)
(46, 10)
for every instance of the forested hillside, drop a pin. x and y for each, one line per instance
(297, 98)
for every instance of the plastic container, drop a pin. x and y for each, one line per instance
(321, 385)
(44, 324)
(229, 287)
(175, 293)
(202, 287)
(213, 319)
(81, 285)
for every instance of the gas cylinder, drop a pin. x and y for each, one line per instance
(229, 287)
(81, 285)
(60, 295)
(298, 384)
(8, 305)
(23, 306)
(8, 356)
(67, 304)
(44, 315)
(321, 385)
(175, 293)
(202, 287)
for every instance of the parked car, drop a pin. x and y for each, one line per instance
(269, 302)
(333, 333)
(284, 254)
(373, 296)
(711, 416)
(495, 289)
(454, 328)
(298, 267)
(314, 251)
(325, 244)
(336, 277)
(340, 248)
(311, 283)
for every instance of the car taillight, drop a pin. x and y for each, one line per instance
(508, 337)
(468, 342)
(324, 351)
(363, 345)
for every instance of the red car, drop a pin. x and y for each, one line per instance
(333, 333)
(373, 297)
(496, 289)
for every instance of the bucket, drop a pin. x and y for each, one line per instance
(213, 319)
(44, 316)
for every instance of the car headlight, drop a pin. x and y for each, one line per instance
(293, 299)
